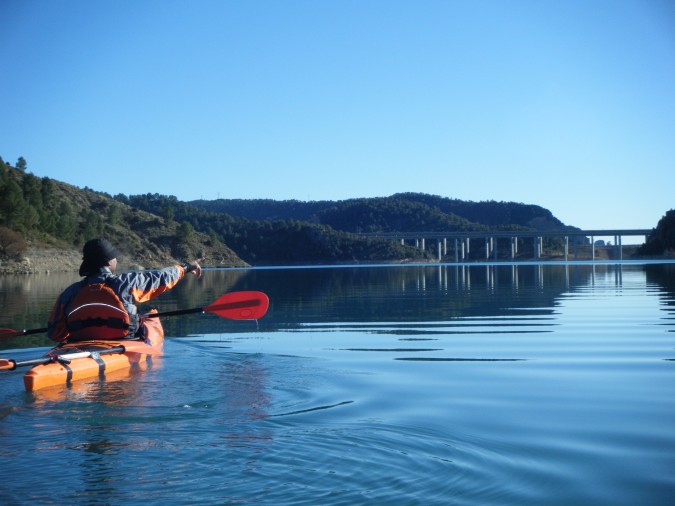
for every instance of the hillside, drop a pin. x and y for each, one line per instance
(402, 212)
(44, 223)
(661, 242)
(283, 241)
(268, 232)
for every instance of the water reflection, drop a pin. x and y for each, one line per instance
(325, 294)
(497, 384)
(663, 276)
(130, 436)
(415, 294)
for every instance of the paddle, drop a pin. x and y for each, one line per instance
(11, 364)
(245, 305)
(234, 305)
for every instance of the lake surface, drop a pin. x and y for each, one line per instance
(477, 385)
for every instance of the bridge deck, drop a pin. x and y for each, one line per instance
(509, 234)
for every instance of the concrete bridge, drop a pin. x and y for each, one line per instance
(461, 241)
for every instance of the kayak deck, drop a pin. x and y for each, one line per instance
(60, 373)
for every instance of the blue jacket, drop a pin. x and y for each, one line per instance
(130, 287)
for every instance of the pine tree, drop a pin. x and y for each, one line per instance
(21, 164)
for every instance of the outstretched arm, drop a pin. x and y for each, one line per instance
(146, 285)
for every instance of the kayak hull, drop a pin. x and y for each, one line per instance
(97, 366)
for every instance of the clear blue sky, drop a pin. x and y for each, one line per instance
(567, 104)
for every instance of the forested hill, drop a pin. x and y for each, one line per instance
(44, 214)
(281, 241)
(401, 212)
(44, 223)
(268, 232)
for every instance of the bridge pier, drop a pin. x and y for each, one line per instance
(462, 241)
(618, 246)
(537, 247)
(490, 248)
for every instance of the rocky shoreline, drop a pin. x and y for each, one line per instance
(44, 261)
(36, 261)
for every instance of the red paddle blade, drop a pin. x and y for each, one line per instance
(240, 306)
(6, 333)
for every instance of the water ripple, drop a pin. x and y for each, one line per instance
(309, 410)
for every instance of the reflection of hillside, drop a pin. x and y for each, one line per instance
(336, 294)
(397, 294)
(663, 275)
(26, 301)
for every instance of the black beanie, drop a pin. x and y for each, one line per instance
(96, 254)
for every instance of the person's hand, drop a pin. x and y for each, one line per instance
(194, 267)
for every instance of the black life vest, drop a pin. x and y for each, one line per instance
(97, 312)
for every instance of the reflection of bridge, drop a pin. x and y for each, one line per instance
(461, 241)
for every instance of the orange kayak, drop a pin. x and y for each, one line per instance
(93, 359)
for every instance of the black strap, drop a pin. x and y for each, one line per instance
(101, 364)
(69, 373)
(113, 323)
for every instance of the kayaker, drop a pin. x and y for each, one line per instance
(102, 305)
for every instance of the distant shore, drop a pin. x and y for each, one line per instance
(42, 261)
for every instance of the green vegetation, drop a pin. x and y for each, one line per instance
(28, 205)
(42, 213)
(401, 213)
(662, 239)
(293, 232)
(277, 242)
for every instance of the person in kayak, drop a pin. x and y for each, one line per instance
(102, 305)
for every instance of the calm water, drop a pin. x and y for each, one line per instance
(481, 385)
